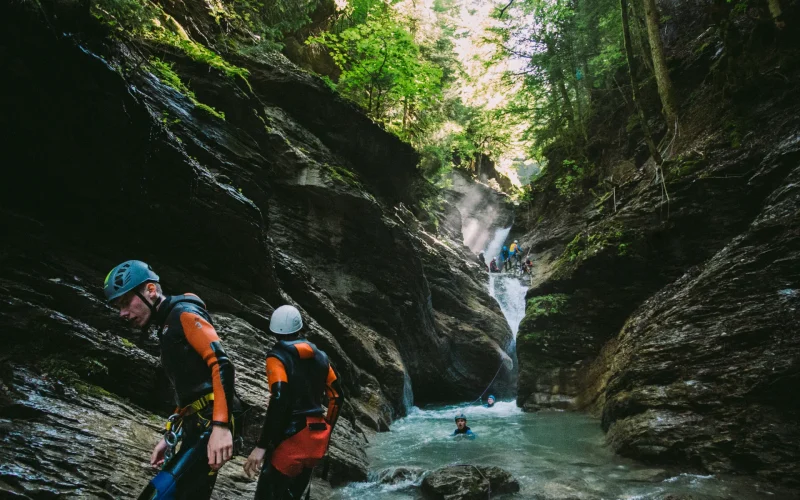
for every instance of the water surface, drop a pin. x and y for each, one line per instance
(563, 454)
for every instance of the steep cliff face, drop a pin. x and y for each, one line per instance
(251, 192)
(666, 306)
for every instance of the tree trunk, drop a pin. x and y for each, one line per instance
(626, 32)
(638, 31)
(558, 77)
(660, 63)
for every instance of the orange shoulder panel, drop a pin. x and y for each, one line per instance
(305, 350)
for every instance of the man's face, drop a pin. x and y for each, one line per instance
(132, 309)
(490, 401)
(461, 423)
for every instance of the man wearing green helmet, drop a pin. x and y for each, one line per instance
(200, 373)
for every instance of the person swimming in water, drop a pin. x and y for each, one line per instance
(461, 427)
(489, 402)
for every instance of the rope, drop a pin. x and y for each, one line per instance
(490, 383)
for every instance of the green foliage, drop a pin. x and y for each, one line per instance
(431, 206)
(569, 47)
(383, 70)
(135, 17)
(584, 245)
(568, 183)
(545, 305)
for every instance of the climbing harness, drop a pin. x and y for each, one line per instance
(172, 435)
(173, 432)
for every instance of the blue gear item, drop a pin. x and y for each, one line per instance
(460, 416)
(187, 475)
(126, 277)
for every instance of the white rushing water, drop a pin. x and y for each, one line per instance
(509, 292)
(496, 244)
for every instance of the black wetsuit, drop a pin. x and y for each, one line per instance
(298, 375)
(196, 366)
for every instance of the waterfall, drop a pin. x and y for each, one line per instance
(408, 392)
(494, 246)
(509, 291)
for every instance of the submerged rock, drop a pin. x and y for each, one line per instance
(397, 475)
(559, 491)
(468, 482)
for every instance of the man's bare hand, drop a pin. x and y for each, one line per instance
(220, 447)
(252, 466)
(157, 458)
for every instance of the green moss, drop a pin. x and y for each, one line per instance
(69, 371)
(59, 369)
(699, 50)
(202, 54)
(545, 305)
(166, 73)
(209, 110)
(574, 248)
(87, 389)
(127, 343)
(584, 245)
(340, 174)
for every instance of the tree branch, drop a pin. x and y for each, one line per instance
(503, 10)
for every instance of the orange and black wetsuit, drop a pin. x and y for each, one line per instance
(202, 377)
(299, 375)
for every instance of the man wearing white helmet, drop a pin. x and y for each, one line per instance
(299, 375)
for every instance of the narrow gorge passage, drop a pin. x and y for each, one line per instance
(553, 454)
(353, 159)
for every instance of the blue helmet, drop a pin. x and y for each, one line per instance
(126, 277)
(491, 396)
(461, 416)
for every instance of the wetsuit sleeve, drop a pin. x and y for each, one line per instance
(279, 409)
(333, 389)
(203, 338)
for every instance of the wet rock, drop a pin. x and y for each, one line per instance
(647, 475)
(294, 197)
(559, 491)
(400, 475)
(676, 322)
(468, 482)
(705, 371)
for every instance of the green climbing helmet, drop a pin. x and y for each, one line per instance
(126, 277)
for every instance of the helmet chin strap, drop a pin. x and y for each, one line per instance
(153, 308)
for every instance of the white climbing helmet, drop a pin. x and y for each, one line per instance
(286, 320)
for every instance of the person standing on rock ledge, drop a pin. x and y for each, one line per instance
(201, 375)
(299, 375)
